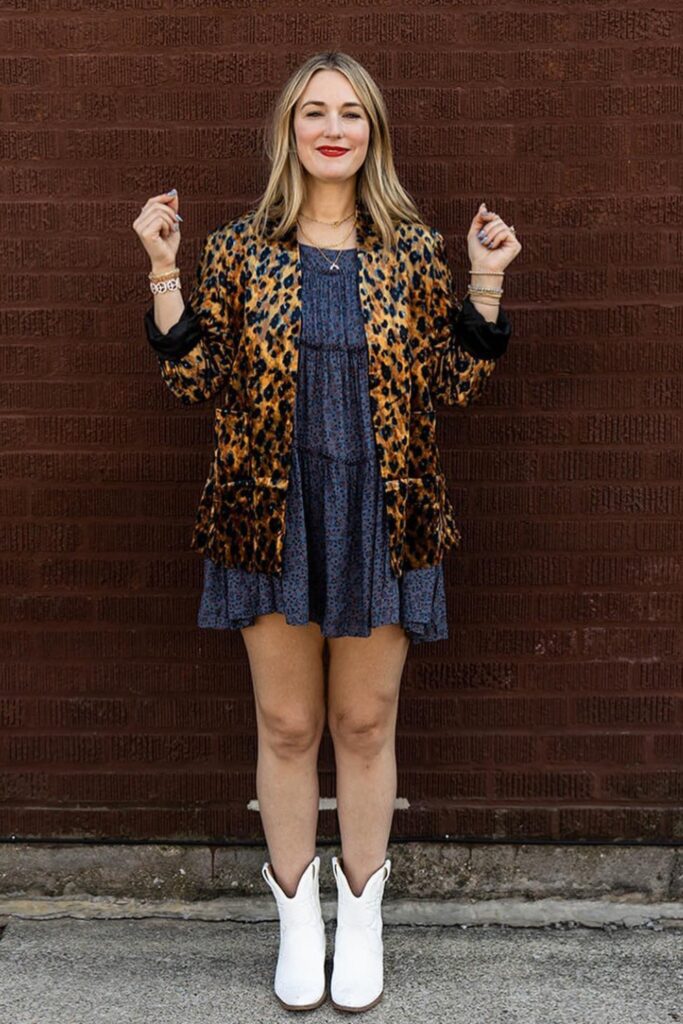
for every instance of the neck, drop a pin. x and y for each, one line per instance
(328, 202)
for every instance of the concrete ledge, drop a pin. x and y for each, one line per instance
(513, 913)
(420, 871)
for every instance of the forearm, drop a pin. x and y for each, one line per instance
(196, 338)
(488, 305)
(468, 337)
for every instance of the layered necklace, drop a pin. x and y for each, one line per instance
(332, 264)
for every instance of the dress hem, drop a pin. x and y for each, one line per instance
(431, 633)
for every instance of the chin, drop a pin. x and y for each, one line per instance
(330, 177)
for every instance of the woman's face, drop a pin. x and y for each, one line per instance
(329, 114)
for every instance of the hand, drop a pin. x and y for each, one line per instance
(504, 245)
(159, 230)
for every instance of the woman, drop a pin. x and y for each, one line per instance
(337, 247)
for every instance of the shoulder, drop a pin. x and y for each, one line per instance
(423, 247)
(230, 236)
(419, 237)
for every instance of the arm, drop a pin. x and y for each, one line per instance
(196, 354)
(466, 345)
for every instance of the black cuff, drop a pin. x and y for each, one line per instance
(479, 336)
(179, 339)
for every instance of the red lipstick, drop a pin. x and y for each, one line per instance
(332, 150)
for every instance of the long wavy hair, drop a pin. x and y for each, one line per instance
(377, 184)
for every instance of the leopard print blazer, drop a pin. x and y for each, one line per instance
(239, 333)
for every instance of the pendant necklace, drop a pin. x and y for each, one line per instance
(333, 265)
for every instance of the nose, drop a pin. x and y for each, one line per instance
(333, 128)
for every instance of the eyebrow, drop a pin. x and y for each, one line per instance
(349, 103)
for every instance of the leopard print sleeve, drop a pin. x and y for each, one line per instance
(465, 345)
(196, 355)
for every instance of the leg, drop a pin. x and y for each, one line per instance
(287, 675)
(364, 681)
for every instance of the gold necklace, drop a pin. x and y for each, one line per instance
(332, 223)
(333, 265)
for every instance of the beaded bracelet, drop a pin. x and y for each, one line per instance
(476, 290)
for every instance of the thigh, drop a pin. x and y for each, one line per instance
(365, 676)
(286, 664)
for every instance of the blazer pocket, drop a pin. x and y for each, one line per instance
(424, 520)
(417, 520)
(229, 529)
(232, 447)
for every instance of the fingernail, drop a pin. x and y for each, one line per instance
(178, 217)
(483, 207)
(173, 192)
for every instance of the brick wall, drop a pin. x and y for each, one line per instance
(553, 711)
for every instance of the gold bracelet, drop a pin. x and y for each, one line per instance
(164, 276)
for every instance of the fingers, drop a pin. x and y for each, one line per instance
(150, 214)
(158, 209)
(153, 221)
(161, 202)
(498, 237)
(484, 224)
(492, 233)
(493, 228)
(170, 226)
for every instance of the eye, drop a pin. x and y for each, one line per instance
(314, 113)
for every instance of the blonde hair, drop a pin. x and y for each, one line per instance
(377, 184)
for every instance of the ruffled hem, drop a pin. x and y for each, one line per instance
(251, 594)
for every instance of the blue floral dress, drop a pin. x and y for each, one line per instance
(336, 570)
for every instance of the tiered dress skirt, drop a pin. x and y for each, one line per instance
(336, 570)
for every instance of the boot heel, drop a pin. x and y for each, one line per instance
(300, 972)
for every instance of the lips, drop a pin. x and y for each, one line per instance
(332, 150)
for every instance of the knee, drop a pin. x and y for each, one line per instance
(290, 735)
(361, 732)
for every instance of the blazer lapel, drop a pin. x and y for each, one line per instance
(384, 300)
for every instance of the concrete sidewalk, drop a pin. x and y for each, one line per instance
(70, 971)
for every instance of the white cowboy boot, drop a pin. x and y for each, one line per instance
(358, 965)
(300, 971)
